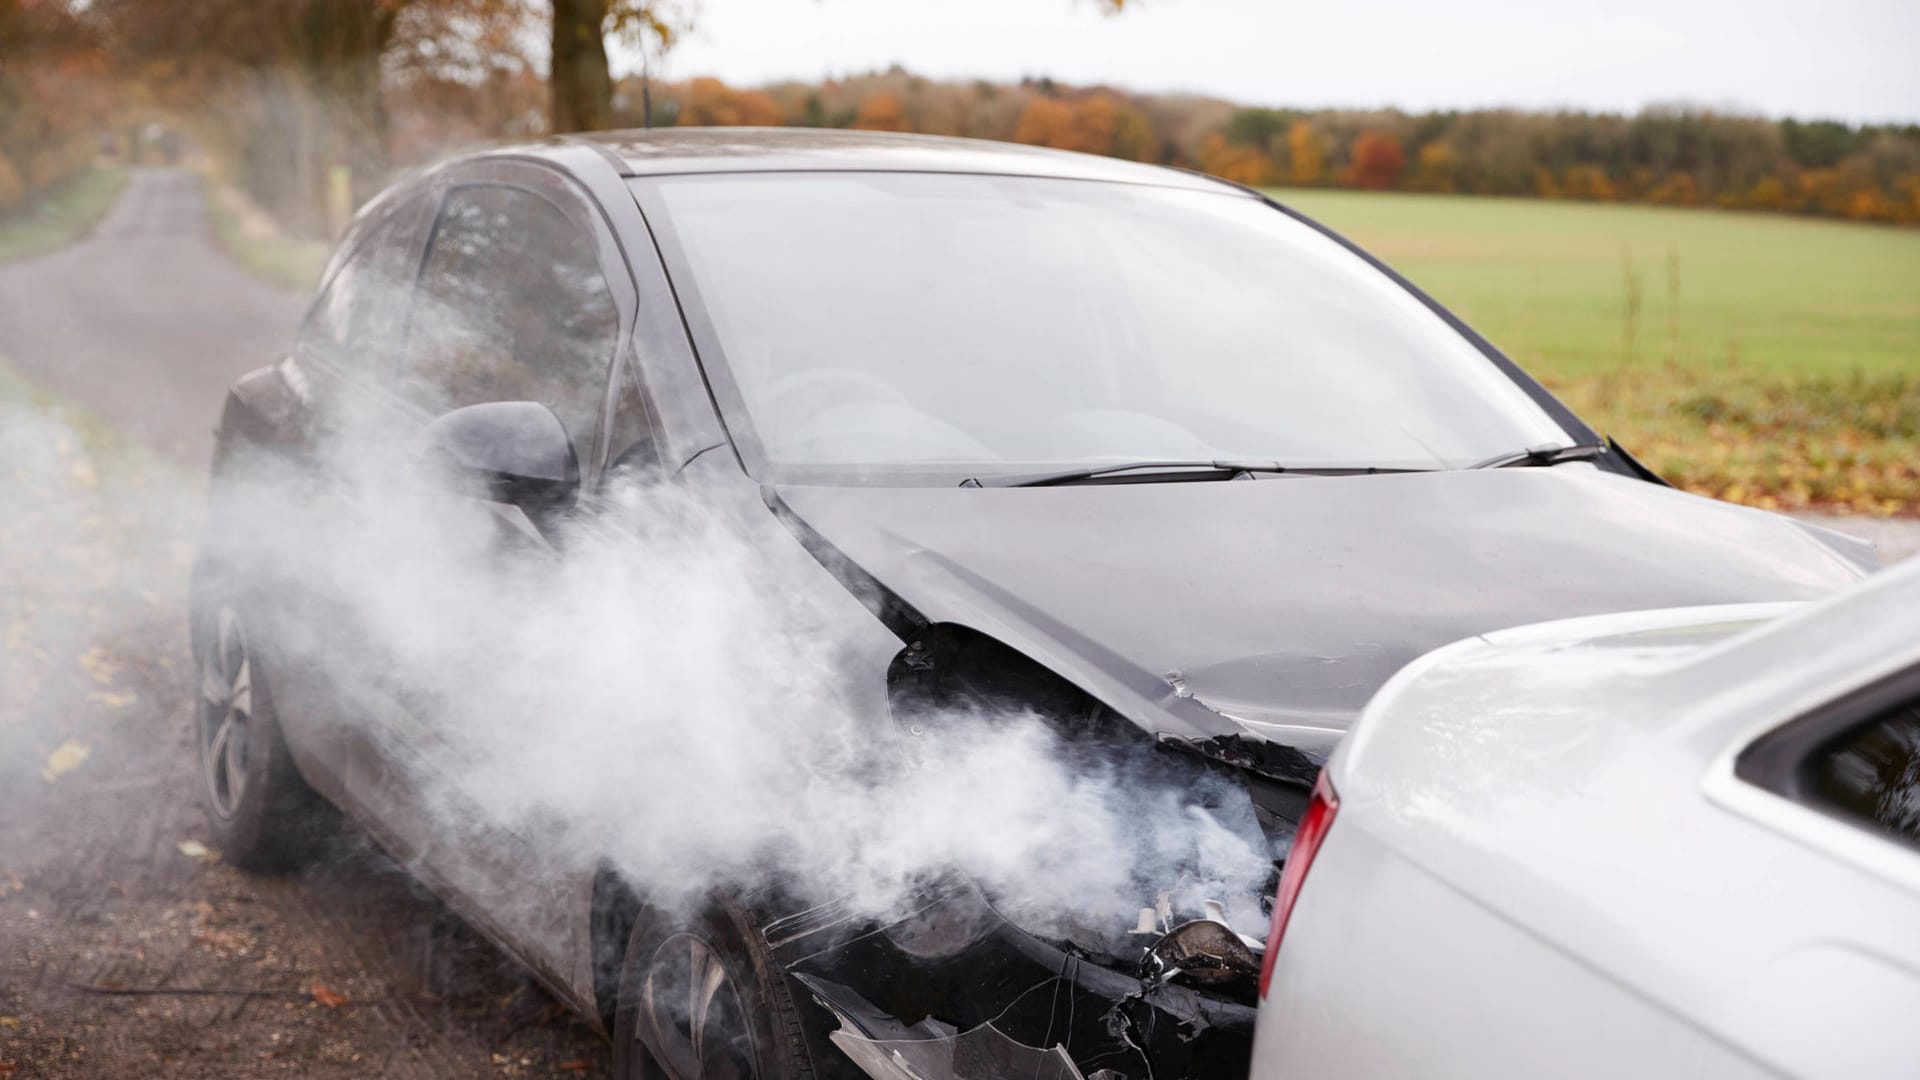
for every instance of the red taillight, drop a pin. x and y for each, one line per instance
(1306, 841)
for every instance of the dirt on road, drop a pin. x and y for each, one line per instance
(126, 948)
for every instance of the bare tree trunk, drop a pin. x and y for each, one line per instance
(580, 82)
(343, 41)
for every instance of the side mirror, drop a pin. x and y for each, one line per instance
(514, 452)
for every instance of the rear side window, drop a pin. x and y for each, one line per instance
(512, 306)
(1871, 773)
(1857, 759)
(357, 319)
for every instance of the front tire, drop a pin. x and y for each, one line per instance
(264, 816)
(704, 1000)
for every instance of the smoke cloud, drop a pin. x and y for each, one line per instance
(660, 696)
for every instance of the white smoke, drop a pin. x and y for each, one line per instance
(660, 696)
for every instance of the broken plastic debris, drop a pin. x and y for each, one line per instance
(65, 758)
(1204, 951)
(1148, 923)
(886, 1049)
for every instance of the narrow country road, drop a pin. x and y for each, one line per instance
(126, 948)
(145, 322)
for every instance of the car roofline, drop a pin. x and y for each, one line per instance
(680, 151)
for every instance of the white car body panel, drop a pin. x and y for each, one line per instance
(1543, 864)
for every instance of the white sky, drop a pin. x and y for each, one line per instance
(1856, 60)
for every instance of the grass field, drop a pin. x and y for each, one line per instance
(61, 216)
(1765, 359)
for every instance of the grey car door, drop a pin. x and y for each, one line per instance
(343, 354)
(519, 298)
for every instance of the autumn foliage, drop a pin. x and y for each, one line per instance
(712, 103)
(1097, 123)
(1376, 162)
(288, 97)
(881, 112)
(56, 98)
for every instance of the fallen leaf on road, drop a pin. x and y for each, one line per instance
(9, 1021)
(7, 1068)
(96, 664)
(329, 997)
(575, 1066)
(193, 849)
(65, 758)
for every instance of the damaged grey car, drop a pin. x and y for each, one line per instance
(1142, 454)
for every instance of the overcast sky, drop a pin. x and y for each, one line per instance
(1857, 60)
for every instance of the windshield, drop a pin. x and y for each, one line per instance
(967, 325)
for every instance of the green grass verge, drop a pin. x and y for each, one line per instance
(62, 215)
(292, 262)
(1762, 359)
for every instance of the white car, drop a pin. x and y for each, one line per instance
(1671, 843)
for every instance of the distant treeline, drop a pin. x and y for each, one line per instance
(293, 97)
(1676, 155)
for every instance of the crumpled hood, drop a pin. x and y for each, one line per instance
(1286, 602)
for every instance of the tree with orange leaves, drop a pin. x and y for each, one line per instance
(1234, 162)
(1098, 123)
(711, 103)
(1377, 161)
(1046, 121)
(1306, 154)
(881, 112)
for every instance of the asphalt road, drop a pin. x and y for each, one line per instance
(145, 321)
(125, 948)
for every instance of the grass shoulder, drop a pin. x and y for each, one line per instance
(261, 246)
(63, 215)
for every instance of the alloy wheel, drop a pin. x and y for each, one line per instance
(692, 1024)
(226, 714)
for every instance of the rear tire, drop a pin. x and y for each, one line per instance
(704, 1000)
(264, 816)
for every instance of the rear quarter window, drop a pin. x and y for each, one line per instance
(1856, 759)
(1871, 773)
(357, 316)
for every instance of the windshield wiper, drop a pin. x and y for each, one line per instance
(1543, 455)
(1176, 470)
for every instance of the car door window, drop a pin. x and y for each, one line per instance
(511, 306)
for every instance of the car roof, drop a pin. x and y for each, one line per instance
(680, 150)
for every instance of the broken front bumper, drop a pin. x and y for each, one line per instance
(956, 992)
